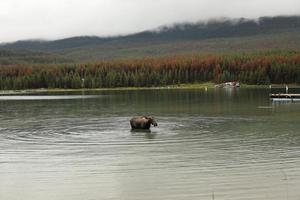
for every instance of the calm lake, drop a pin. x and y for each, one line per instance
(220, 144)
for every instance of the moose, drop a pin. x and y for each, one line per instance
(142, 122)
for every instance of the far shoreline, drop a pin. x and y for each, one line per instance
(206, 86)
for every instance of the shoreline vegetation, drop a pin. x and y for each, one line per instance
(193, 86)
(184, 71)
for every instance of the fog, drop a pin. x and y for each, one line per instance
(54, 19)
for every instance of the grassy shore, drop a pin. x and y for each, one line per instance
(177, 86)
(207, 85)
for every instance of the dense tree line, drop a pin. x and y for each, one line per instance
(264, 68)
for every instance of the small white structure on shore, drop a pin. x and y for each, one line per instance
(232, 84)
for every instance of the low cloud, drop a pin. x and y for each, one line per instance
(53, 19)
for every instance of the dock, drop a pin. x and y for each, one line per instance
(285, 97)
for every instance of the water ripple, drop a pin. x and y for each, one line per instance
(56, 152)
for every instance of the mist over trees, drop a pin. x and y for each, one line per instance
(215, 36)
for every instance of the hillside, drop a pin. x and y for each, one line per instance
(8, 57)
(215, 36)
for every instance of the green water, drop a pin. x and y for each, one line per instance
(219, 144)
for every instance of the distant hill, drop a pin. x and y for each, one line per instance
(214, 36)
(8, 57)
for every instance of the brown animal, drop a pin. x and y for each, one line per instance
(142, 122)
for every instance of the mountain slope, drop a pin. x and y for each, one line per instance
(217, 36)
(8, 57)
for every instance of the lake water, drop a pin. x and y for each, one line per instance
(219, 144)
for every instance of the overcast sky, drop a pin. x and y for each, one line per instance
(53, 19)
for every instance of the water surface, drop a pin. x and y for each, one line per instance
(220, 144)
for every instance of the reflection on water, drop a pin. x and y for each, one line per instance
(208, 145)
(45, 97)
(146, 133)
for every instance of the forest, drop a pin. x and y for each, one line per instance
(275, 67)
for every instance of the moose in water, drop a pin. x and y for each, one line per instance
(142, 122)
